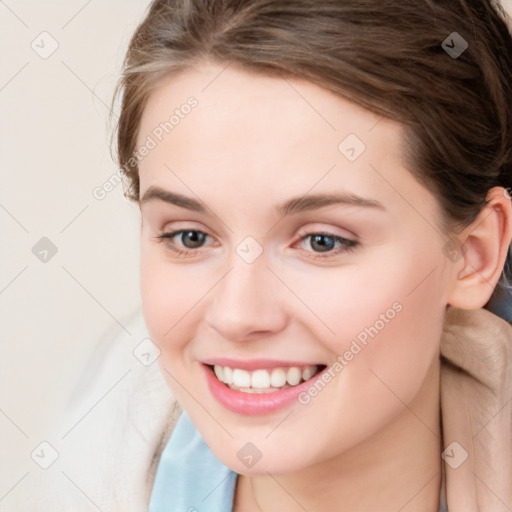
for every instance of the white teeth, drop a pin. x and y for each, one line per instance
(228, 375)
(257, 391)
(260, 379)
(308, 372)
(219, 372)
(293, 375)
(263, 381)
(278, 378)
(241, 378)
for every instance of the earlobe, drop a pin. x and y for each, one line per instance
(485, 246)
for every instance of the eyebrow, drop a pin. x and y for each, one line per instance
(294, 205)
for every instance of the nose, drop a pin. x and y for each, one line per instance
(248, 302)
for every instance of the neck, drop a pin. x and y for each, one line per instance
(399, 468)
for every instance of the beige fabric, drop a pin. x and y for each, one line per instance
(122, 413)
(476, 399)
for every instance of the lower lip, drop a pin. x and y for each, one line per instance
(253, 404)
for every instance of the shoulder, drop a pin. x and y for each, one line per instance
(476, 407)
(118, 418)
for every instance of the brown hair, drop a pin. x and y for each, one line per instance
(384, 55)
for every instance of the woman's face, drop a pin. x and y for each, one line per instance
(301, 243)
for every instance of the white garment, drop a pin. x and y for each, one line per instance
(118, 420)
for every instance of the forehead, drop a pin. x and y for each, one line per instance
(272, 136)
(250, 106)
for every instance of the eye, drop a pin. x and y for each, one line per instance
(325, 245)
(190, 239)
(322, 244)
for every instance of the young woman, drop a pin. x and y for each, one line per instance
(325, 222)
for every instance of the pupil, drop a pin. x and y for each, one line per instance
(322, 246)
(194, 237)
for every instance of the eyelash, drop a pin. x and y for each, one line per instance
(348, 245)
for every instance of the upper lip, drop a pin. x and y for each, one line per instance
(255, 364)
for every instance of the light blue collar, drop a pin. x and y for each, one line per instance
(189, 477)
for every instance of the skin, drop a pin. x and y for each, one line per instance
(371, 439)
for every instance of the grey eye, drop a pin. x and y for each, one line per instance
(192, 239)
(322, 243)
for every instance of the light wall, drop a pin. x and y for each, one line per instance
(54, 153)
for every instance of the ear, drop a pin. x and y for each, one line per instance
(485, 244)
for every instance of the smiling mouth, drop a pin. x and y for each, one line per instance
(265, 380)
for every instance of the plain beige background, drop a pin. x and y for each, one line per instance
(54, 154)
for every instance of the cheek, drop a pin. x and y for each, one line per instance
(384, 318)
(167, 294)
(387, 320)
(169, 303)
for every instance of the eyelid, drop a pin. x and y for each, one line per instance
(319, 228)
